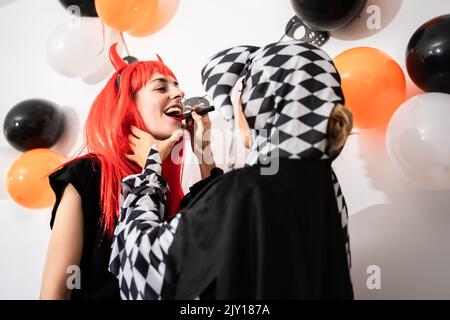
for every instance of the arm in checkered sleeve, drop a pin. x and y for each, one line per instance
(141, 240)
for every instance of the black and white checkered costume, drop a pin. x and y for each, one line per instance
(290, 89)
(141, 238)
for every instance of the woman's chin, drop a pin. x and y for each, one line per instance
(165, 128)
(173, 128)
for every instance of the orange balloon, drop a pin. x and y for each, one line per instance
(164, 13)
(127, 15)
(374, 85)
(27, 181)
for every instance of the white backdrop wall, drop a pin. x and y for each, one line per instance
(403, 230)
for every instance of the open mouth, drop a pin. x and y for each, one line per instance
(175, 111)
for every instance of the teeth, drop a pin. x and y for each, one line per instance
(173, 111)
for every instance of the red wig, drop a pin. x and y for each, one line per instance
(106, 136)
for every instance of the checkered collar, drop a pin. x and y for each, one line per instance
(290, 91)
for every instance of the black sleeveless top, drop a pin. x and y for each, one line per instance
(96, 281)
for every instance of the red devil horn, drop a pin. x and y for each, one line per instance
(116, 60)
(159, 59)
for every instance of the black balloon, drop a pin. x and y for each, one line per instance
(33, 123)
(328, 15)
(428, 56)
(87, 7)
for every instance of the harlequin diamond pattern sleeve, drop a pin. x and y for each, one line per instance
(343, 212)
(141, 240)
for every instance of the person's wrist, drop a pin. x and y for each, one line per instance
(205, 155)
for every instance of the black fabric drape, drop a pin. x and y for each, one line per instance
(253, 236)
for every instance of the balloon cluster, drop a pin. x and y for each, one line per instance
(33, 126)
(374, 86)
(418, 135)
(418, 140)
(137, 17)
(79, 47)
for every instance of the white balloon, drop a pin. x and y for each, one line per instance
(418, 140)
(80, 48)
(99, 75)
(105, 68)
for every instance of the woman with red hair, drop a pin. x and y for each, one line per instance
(140, 100)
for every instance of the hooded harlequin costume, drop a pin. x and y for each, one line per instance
(274, 229)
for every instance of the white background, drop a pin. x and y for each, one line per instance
(394, 225)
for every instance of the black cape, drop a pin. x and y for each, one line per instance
(253, 236)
